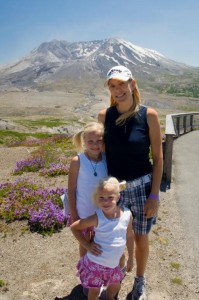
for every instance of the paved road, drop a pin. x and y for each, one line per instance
(186, 182)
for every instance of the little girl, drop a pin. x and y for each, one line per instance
(113, 232)
(86, 169)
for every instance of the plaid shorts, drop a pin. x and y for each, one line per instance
(134, 197)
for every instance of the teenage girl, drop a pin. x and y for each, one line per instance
(113, 232)
(86, 169)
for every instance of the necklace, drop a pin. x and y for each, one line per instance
(94, 166)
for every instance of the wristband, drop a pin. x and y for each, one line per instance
(154, 196)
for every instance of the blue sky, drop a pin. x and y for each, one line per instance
(170, 27)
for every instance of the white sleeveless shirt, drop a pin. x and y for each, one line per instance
(86, 184)
(111, 236)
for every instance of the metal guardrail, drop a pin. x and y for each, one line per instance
(176, 125)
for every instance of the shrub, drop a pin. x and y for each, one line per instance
(41, 207)
(47, 219)
(29, 165)
(55, 170)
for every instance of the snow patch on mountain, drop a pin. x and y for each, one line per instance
(142, 51)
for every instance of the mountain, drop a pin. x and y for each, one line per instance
(60, 64)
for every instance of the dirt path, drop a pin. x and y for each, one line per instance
(38, 268)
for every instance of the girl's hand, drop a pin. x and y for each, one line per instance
(94, 248)
(151, 208)
(129, 265)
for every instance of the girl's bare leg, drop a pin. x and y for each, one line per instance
(112, 290)
(93, 294)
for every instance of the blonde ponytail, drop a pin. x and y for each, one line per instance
(78, 140)
(122, 185)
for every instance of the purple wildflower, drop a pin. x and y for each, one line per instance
(29, 165)
(55, 170)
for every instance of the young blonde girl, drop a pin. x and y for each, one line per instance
(113, 232)
(86, 169)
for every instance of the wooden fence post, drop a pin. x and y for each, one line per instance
(168, 152)
(191, 122)
(185, 123)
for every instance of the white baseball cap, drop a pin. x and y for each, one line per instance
(120, 73)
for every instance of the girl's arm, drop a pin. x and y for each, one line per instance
(101, 116)
(155, 135)
(77, 228)
(130, 245)
(72, 186)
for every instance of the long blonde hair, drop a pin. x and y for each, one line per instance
(119, 186)
(78, 138)
(134, 108)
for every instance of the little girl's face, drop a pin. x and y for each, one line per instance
(108, 198)
(93, 143)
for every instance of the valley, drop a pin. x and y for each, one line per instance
(75, 108)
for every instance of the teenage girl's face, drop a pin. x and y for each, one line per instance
(93, 143)
(121, 91)
(107, 199)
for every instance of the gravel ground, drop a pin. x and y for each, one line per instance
(43, 268)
